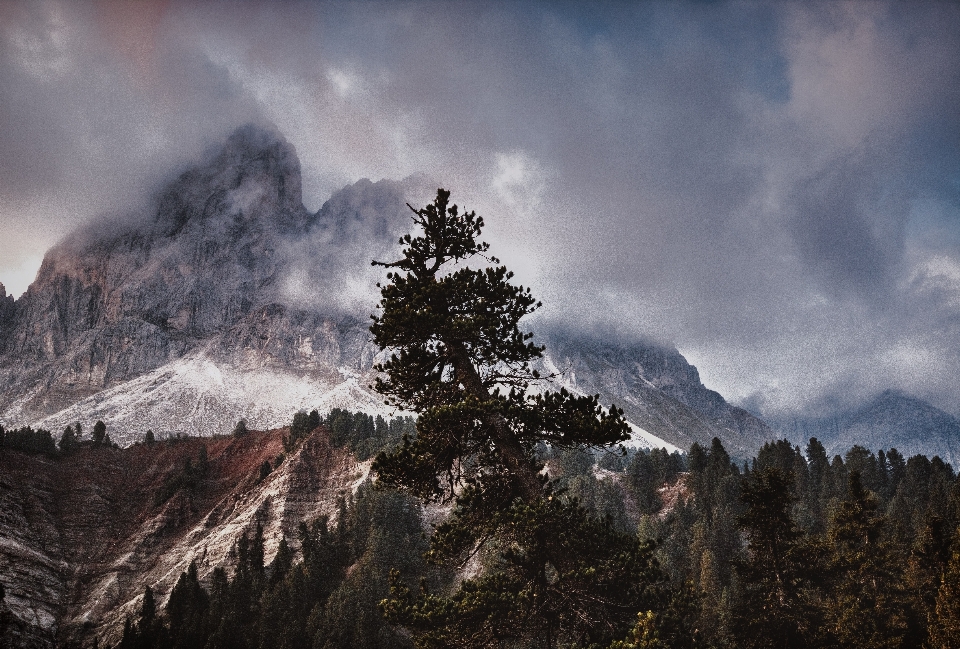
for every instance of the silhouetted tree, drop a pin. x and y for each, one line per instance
(240, 429)
(68, 441)
(460, 360)
(99, 432)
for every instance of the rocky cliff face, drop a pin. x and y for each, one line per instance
(214, 267)
(81, 536)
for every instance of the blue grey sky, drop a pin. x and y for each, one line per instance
(773, 187)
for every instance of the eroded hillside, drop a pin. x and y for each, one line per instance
(82, 535)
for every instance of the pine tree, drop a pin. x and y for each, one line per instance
(68, 441)
(186, 610)
(460, 360)
(99, 432)
(869, 607)
(774, 611)
(945, 620)
(240, 429)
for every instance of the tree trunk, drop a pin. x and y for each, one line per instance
(525, 477)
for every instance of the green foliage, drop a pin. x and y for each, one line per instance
(460, 360)
(303, 424)
(867, 605)
(316, 602)
(733, 567)
(647, 472)
(777, 605)
(593, 594)
(945, 615)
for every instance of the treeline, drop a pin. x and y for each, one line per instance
(798, 550)
(792, 549)
(365, 435)
(328, 599)
(40, 441)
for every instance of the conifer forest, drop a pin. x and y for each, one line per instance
(554, 535)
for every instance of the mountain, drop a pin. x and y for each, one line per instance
(211, 278)
(890, 420)
(658, 390)
(228, 299)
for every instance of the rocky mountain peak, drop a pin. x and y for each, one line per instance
(252, 181)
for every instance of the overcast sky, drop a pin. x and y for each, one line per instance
(775, 188)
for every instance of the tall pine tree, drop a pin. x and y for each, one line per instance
(460, 360)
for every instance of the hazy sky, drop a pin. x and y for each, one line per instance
(773, 187)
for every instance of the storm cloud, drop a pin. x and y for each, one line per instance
(775, 188)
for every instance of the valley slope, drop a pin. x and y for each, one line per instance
(82, 535)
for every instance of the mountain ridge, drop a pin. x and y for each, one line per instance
(83, 534)
(891, 419)
(229, 274)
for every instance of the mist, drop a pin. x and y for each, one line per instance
(774, 188)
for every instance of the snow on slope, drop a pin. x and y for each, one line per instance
(640, 438)
(195, 395)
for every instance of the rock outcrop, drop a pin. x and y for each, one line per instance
(657, 388)
(228, 262)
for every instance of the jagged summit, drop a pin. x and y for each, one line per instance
(218, 248)
(254, 177)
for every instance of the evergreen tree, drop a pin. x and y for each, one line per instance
(868, 605)
(99, 432)
(461, 361)
(186, 611)
(68, 441)
(945, 618)
(240, 429)
(775, 611)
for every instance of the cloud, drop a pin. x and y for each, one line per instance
(774, 187)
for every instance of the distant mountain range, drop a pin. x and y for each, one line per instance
(890, 420)
(228, 299)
